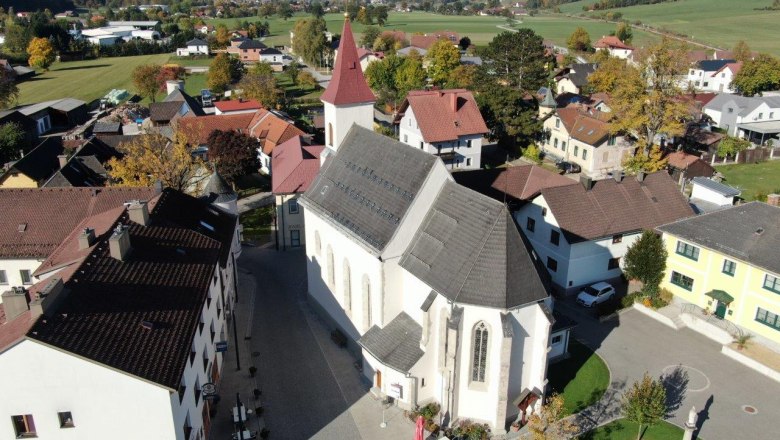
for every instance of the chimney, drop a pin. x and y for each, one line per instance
(158, 187)
(454, 101)
(86, 238)
(640, 176)
(63, 158)
(14, 303)
(119, 242)
(773, 199)
(618, 176)
(49, 298)
(586, 182)
(172, 84)
(138, 211)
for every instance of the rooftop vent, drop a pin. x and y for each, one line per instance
(148, 325)
(86, 238)
(119, 243)
(759, 231)
(138, 211)
(22, 227)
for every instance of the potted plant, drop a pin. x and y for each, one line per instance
(742, 341)
(252, 371)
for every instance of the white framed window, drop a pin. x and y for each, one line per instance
(479, 352)
(331, 268)
(292, 204)
(26, 277)
(368, 319)
(317, 242)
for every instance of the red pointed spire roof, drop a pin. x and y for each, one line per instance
(348, 86)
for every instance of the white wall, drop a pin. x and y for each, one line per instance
(340, 119)
(288, 222)
(531, 330)
(468, 157)
(104, 403)
(12, 268)
(566, 86)
(701, 192)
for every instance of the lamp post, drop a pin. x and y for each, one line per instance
(235, 337)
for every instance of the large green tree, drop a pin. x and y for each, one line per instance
(224, 70)
(741, 51)
(645, 261)
(443, 58)
(579, 40)
(11, 141)
(730, 146)
(9, 92)
(645, 403)
(309, 39)
(517, 59)
(758, 75)
(370, 34)
(146, 80)
(512, 119)
(624, 32)
(381, 76)
(410, 76)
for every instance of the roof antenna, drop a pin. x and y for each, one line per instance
(506, 179)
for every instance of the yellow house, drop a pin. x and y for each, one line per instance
(36, 167)
(728, 263)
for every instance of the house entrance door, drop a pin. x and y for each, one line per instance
(720, 310)
(379, 379)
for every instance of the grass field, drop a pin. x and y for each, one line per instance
(625, 430)
(85, 80)
(753, 178)
(718, 22)
(581, 379)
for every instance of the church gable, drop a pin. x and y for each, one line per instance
(368, 186)
(470, 251)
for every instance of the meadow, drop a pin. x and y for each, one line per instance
(717, 22)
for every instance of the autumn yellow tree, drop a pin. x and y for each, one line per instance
(443, 58)
(152, 157)
(548, 423)
(647, 162)
(41, 53)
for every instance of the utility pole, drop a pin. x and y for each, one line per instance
(235, 339)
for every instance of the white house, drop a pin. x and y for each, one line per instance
(196, 46)
(702, 75)
(614, 47)
(432, 283)
(445, 123)
(754, 118)
(581, 234)
(721, 80)
(712, 193)
(574, 78)
(580, 134)
(107, 329)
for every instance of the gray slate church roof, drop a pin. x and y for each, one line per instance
(470, 250)
(368, 186)
(397, 344)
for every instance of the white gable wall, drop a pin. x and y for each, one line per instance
(13, 268)
(468, 147)
(339, 119)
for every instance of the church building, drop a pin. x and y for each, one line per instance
(432, 283)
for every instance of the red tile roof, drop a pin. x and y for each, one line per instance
(611, 208)
(611, 42)
(47, 215)
(585, 124)
(198, 129)
(525, 182)
(294, 166)
(424, 41)
(681, 159)
(348, 86)
(444, 115)
(271, 130)
(734, 67)
(237, 105)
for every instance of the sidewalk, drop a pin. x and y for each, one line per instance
(235, 380)
(255, 201)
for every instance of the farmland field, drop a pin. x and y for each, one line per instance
(717, 22)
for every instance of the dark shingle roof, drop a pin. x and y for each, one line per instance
(164, 280)
(397, 345)
(749, 232)
(720, 188)
(218, 190)
(41, 162)
(164, 111)
(179, 96)
(251, 44)
(107, 127)
(470, 250)
(578, 73)
(196, 42)
(611, 208)
(712, 65)
(369, 185)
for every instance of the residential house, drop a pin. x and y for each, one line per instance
(28, 126)
(754, 118)
(133, 309)
(727, 263)
(237, 106)
(580, 134)
(574, 78)
(85, 166)
(367, 57)
(294, 167)
(614, 47)
(701, 75)
(60, 114)
(35, 221)
(683, 166)
(253, 51)
(721, 79)
(198, 130)
(445, 123)
(35, 167)
(468, 328)
(176, 105)
(582, 233)
(196, 46)
(514, 185)
(707, 195)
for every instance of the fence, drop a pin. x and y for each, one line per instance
(753, 155)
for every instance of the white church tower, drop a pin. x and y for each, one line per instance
(347, 100)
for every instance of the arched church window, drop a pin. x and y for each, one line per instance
(347, 288)
(331, 267)
(368, 320)
(479, 354)
(330, 134)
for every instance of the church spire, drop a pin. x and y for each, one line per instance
(348, 86)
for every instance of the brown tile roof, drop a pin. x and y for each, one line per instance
(164, 280)
(424, 41)
(525, 182)
(271, 130)
(201, 127)
(585, 124)
(681, 159)
(294, 166)
(237, 105)
(348, 86)
(610, 42)
(611, 208)
(734, 67)
(444, 115)
(48, 215)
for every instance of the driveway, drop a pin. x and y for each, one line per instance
(310, 387)
(717, 386)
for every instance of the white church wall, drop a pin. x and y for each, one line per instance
(528, 369)
(360, 114)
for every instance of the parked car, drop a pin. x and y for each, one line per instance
(568, 167)
(595, 294)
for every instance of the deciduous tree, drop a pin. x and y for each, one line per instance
(370, 34)
(284, 10)
(262, 87)
(579, 40)
(648, 162)
(233, 154)
(742, 51)
(606, 77)
(307, 81)
(645, 403)
(730, 146)
(516, 59)
(11, 141)
(292, 71)
(169, 72)
(152, 157)
(380, 14)
(410, 76)
(222, 35)
(223, 71)
(41, 53)
(9, 92)
(146, 80)
(645, 261)
(624, 32)
(381, 77)
(464, 43)
(757, 75)
(443, 58)
(309, 39)
(462, 77)
(548, 423)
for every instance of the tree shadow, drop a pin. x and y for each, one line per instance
(703, 415)
(676, 385)
(94, 66)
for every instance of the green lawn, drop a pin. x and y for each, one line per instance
(558, 28)
(194, 83)
(581, 379)
(752, 178)
(296, 92)
(718, 22)
(625, 430)
(187, 61)
(85, 80)
(257, 223)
